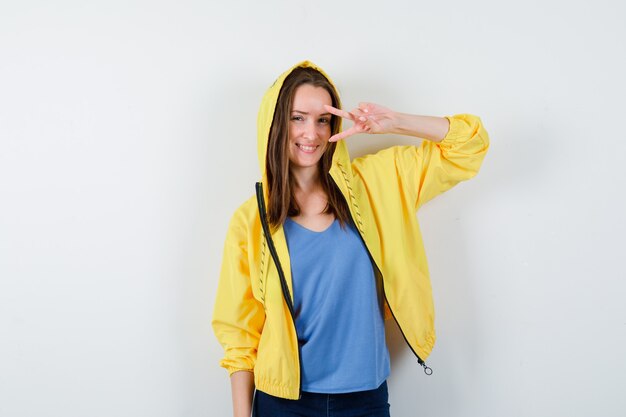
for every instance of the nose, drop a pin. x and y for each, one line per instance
(310, 130)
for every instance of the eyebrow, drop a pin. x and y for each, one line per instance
(303, 112)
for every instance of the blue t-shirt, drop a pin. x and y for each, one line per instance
(339, 317)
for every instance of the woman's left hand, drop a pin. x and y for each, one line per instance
(367, 118)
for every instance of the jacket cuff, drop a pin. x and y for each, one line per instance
(463, 127)
(232, 369)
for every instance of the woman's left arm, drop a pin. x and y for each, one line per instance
(431, 128)
(453, 152)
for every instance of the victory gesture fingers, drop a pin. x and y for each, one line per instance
(367, 118)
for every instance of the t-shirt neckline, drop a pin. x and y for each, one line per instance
(312, 231)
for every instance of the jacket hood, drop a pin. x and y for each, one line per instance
(266, 116)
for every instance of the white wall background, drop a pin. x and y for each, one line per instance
(127, 138)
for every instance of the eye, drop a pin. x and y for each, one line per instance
(325, 120)
(297, 118)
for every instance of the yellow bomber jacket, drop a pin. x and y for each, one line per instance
(252, 317)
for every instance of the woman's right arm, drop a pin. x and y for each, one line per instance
(238, 317)
(242, 387)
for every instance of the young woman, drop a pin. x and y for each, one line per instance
(328, 248)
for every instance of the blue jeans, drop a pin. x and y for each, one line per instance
(372, 403)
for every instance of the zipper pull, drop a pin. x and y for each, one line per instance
(427, 369)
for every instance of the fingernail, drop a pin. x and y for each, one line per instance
(362, 118)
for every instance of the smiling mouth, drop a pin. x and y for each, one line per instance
(307, 148)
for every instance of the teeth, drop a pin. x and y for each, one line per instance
(307, 148)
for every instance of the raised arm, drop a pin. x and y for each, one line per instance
(453, 151)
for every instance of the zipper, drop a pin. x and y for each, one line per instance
(281, 275)
(427, 370)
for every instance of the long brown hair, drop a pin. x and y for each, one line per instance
(282, 202)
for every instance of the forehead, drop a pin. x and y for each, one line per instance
(309, 98)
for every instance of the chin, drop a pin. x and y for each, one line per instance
(304, 164)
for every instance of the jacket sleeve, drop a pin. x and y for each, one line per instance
(238, 317)
(434, 167)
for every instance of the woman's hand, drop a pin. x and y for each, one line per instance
(372, 118)
(367, 118)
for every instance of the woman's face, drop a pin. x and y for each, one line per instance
(309, 126)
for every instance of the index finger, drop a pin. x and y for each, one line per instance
(342, 135)
(339, 112)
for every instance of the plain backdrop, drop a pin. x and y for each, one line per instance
(128, 138)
